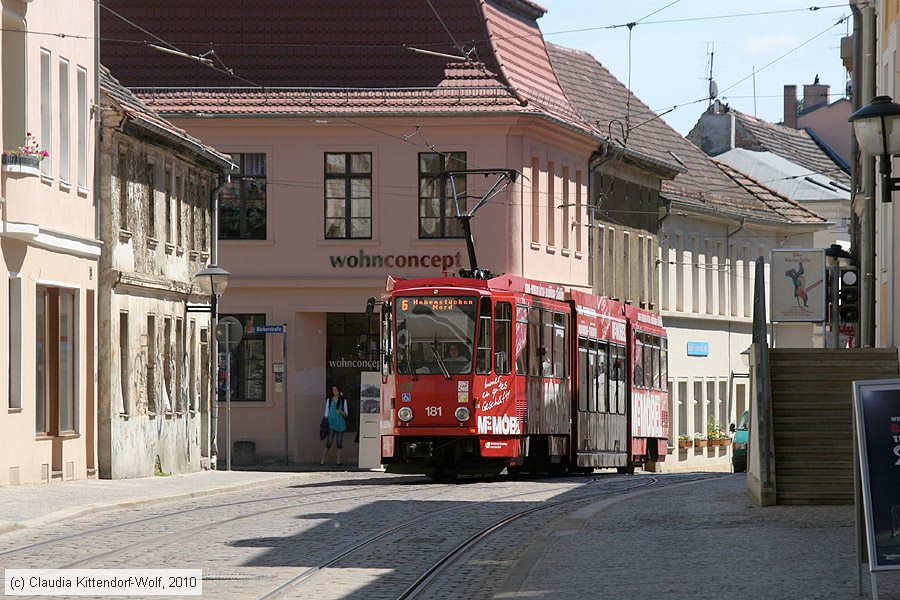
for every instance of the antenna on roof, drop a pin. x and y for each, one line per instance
(713, 88)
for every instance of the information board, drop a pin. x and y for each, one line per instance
(797, 287)
(876, 407)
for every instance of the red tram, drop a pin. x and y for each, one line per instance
(482, 375)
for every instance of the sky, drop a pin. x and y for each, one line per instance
(670, 60)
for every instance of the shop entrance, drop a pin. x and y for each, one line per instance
(344, 362)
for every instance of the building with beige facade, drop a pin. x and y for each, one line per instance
(155, 388)
(49, 245)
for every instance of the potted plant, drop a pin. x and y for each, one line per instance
(700, 440)
(685, 441)
(713, 432)
(26, 158)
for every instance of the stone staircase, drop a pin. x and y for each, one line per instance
(812, 407)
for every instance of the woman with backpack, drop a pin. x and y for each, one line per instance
(336, 412)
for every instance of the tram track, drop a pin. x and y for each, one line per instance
(323, 497)
(438, 566)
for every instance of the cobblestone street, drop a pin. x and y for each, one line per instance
(371, 535)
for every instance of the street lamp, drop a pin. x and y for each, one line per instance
(877, 131)
(212, 281)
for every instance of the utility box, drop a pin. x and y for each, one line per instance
(369, 441)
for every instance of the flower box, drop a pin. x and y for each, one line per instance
(685, 443)
(700, 443)
(28, 165)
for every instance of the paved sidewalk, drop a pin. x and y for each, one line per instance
(32, 505)
(705, 540)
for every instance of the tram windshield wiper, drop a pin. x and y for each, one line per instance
(440, 361)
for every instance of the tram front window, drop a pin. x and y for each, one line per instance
(435, 334)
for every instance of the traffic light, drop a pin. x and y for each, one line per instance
(849, 295)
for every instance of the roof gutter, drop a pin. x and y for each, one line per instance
(744, 217)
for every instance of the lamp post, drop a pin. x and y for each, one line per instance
(212, 282)
(877, 131)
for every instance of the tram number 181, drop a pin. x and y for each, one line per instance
(433, 411)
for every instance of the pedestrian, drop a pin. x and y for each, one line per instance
(336, 413)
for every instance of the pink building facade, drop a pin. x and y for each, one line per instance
(339, 139)
(48, 244)
(318, 286)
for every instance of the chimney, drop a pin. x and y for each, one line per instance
(714, 132)
(790, 106)
(815, 95)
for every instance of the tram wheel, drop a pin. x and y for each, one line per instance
(629, 470)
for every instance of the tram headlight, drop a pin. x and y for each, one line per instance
(405, 414)
(463, 414)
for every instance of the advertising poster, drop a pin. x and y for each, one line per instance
(877, 410)
(798, 287)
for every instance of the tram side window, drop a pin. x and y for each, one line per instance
(617, 379)
(583, 376)
(664, 363)
(592, 376)
(602, 387)
(483, 358)
(657, 383)
(638, 359)
(502, 337)
(648, 360)
(535, 354)
(521, 339)
(546, 343)
(559, 345)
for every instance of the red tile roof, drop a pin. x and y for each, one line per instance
(341, 56)
(604, 101)
(145, 117)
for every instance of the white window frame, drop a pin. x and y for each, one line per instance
(46, 137)
(83, 119)
(65, 163)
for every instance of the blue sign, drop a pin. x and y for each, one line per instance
(698, 348)
(407, 397)
(268, 329)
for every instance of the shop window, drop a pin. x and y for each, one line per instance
(248, 362)
(348, 195)
(242, 205)
(55, 361)
(437, 210)
(346, 359)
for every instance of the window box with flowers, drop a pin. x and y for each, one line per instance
(685, 441)
(25, 159)
(699, 440)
